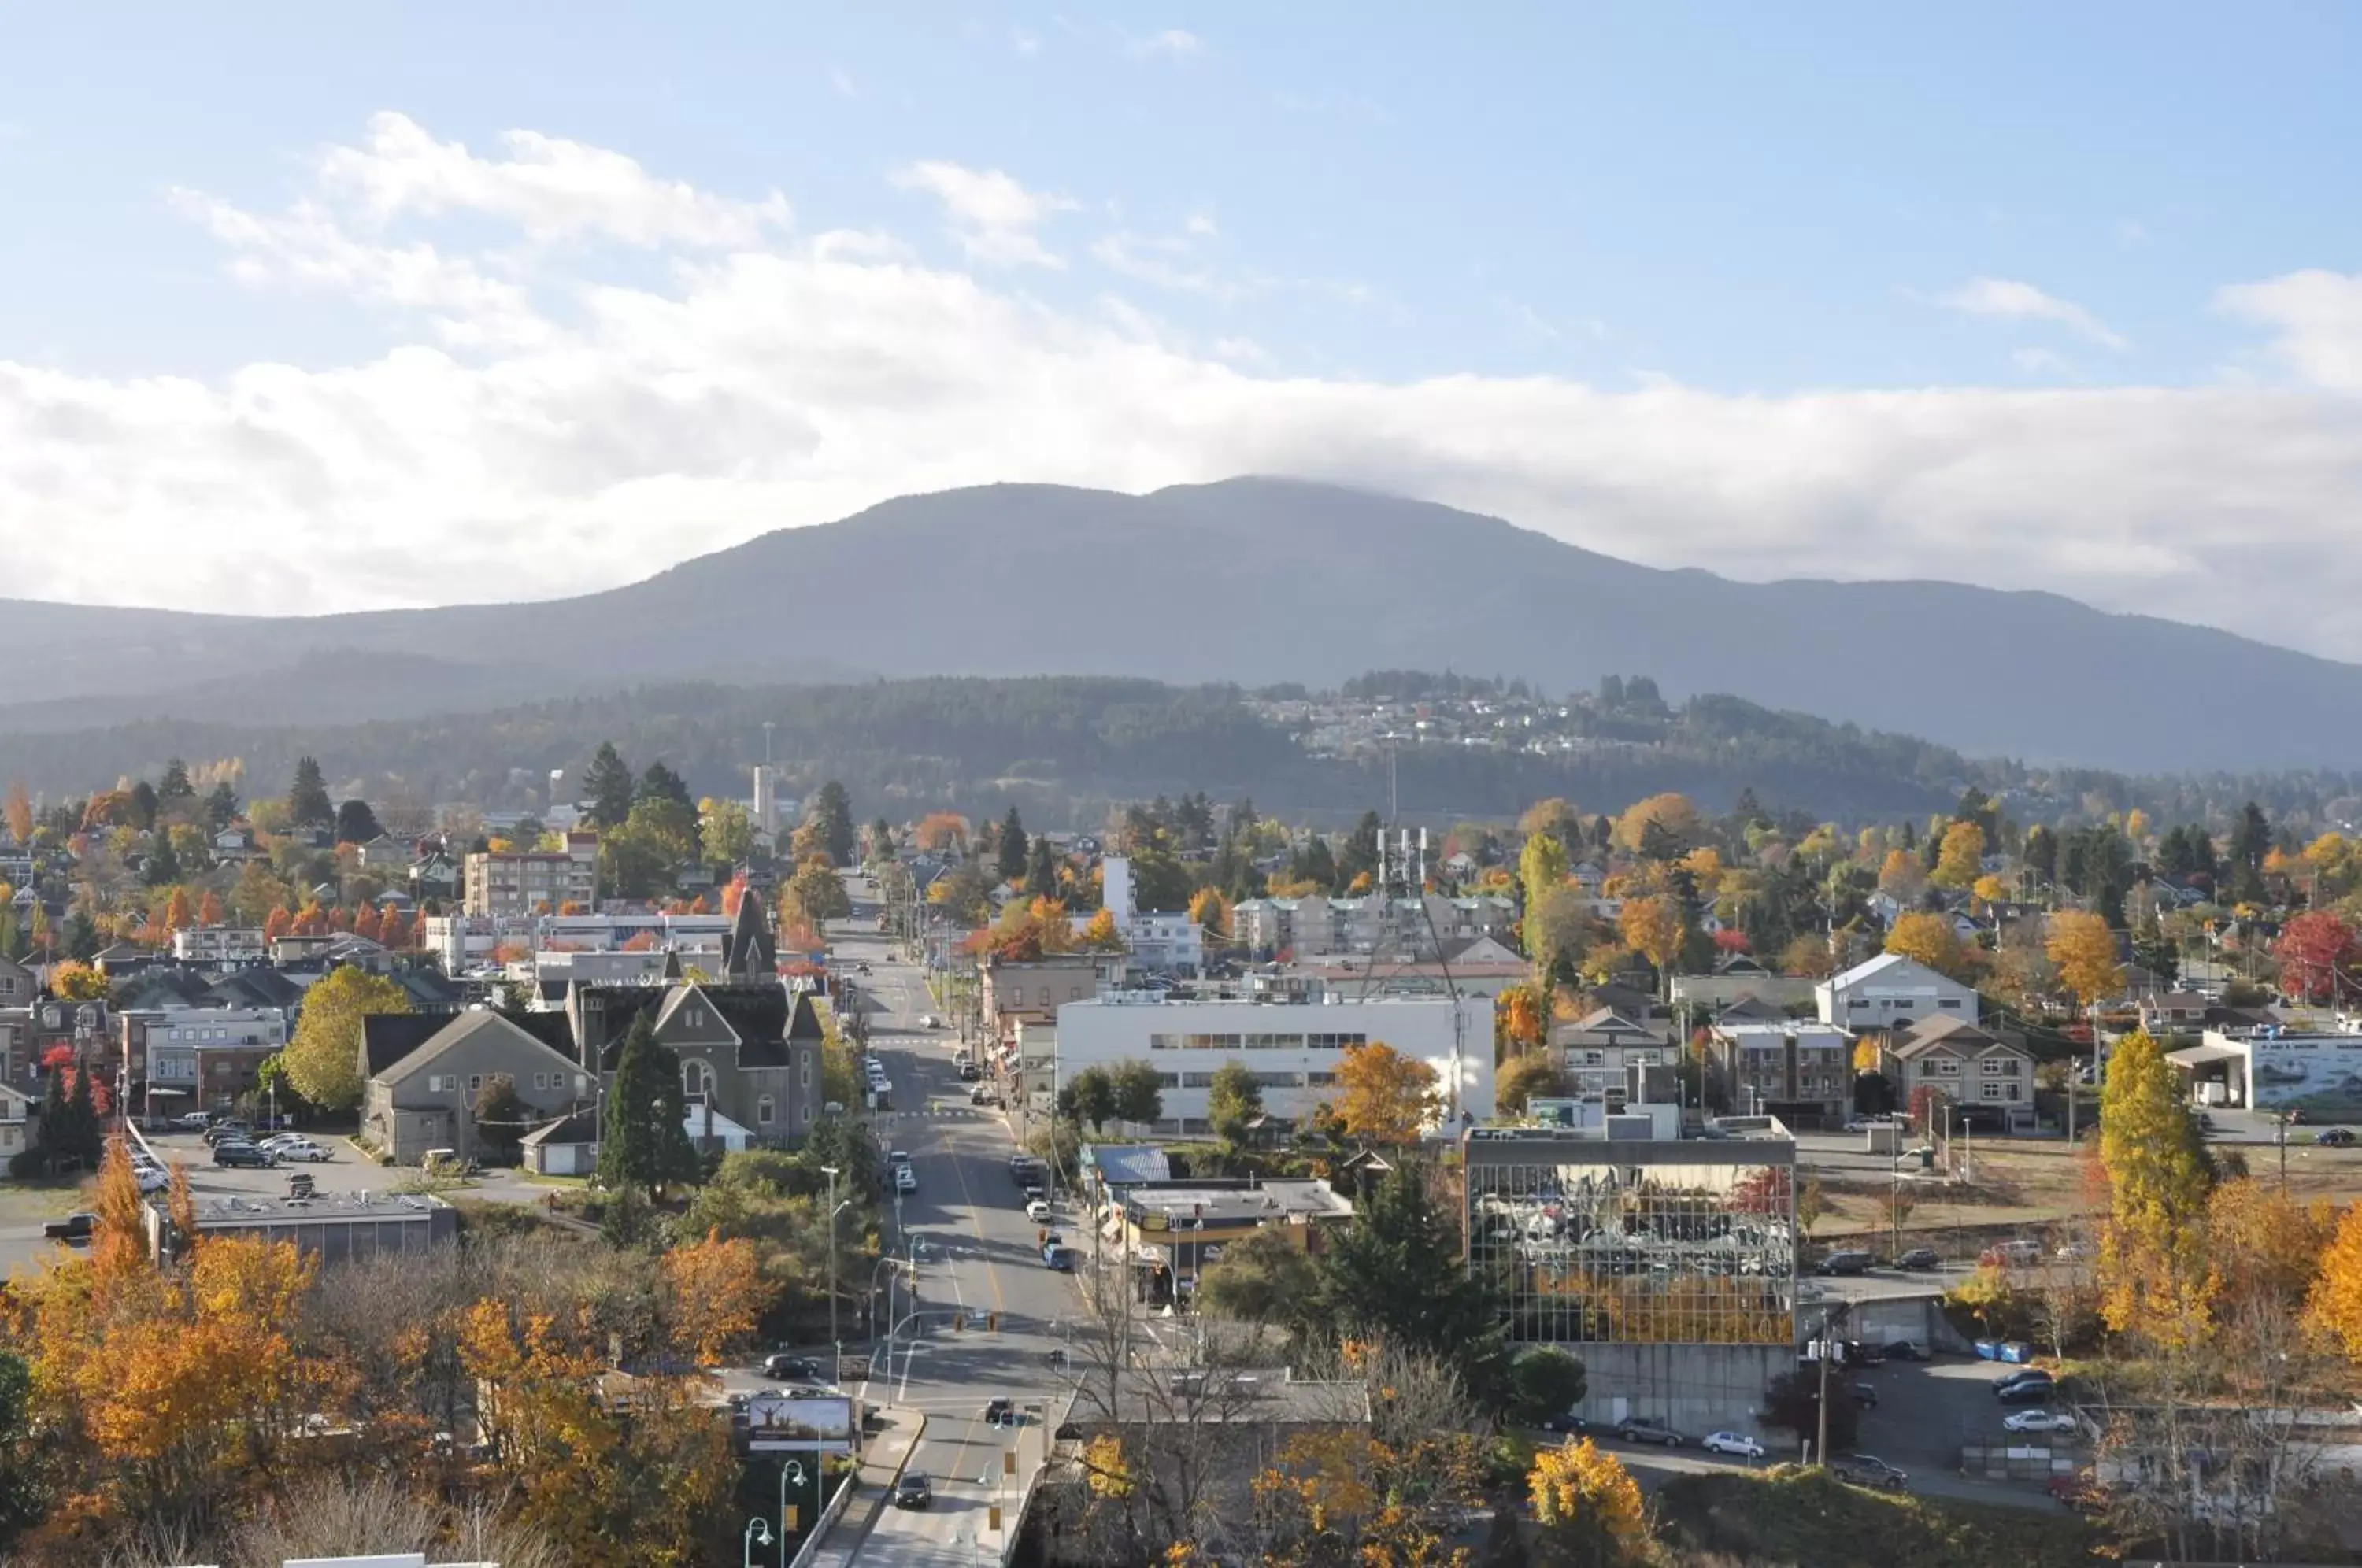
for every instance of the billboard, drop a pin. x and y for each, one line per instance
(799, 1423)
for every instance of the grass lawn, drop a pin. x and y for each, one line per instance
(1790, 1516)
(25, 1202)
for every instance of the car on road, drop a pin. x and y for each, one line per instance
(1566, 1421)
(192, 1121)
(245, 1154)
(929, 1021)
(1849, 1260)
(72, 1229)
(2020, 1254)
(2040, 1421)
(791, 1368)
(1918, 1257)
(1737, 1445)
(983, 1095)
(913, 1490)
(1038, 1210)
(2335, 1137)
(970, 1072)
(905, 1179)
(1868, 1470)
(1058, 1256)
(999, 1412)
(1640, 1429)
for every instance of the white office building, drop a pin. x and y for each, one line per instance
(1292, 1044)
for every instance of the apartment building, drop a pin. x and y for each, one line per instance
(1294, 1046)
(1315, 925)
(1800, 1072)
(220, 945)
(539, 882)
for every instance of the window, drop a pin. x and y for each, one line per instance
(1197, 1080)
(803, 1112)
(1073, 993)
(803, 1069)
(1953, 1002)
(763, 1112)
(1945, 1067)
(1321, 1080)
(696, 1078)
(1992, 1090)
(475, 1082)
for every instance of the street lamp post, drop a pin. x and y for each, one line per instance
(835, 1338)
(792, 1472)
(758, 1533)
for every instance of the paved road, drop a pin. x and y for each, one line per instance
(978, 1253)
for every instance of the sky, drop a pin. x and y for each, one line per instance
(315, 308)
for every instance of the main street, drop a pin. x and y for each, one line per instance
(977, 1256)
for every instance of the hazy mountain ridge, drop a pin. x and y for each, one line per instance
(1252, 582)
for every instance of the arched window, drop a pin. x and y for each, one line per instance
(763, 1112)
(697, 1079)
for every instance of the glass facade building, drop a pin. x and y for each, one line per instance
(1630, 1241)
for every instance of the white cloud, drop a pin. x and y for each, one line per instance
(2008, 300)
(993, 216)
(2041, 362)
(747, 389)
(550, 188)
(2317, 317)
(1172, 42)
(1166, 263)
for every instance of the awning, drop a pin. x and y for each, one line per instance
(2205, 1055)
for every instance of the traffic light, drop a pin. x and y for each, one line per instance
(992, 1517)
(794, 1511)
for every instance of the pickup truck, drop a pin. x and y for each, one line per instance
(72, 1229)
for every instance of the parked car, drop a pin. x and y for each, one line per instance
(1909, 1349)
(1862, 1354)
(2335, 1137)
(1868, 1470)
(192, 1121)
(1918, 1257)
(1734, 1443)
(912, 1491)
(906, 1179)
(2022, 1374)
(1864, 1395)
(1566, 1421)
(299, 1149)
(970, 1072)
(1850, 1260)
(219, 1131)
(151, 1179)
(2025, 1391)
(245, 1155)
(2011, 1254)
(791, 1368)
(1038, 1212)
(72, 1229)
(1640, 1429)
(2038, 1421)
(983, 1095)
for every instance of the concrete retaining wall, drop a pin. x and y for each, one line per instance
(1695, 1389)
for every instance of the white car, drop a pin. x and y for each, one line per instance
(906, 1180)
(151, 1179)
(930, 1021)
(302, 1149)
(1734, 1443)
(2040, 1421)
(1038, 1212)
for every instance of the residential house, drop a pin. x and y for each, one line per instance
(1597, 1053)
(20, 1124)
(180, 1059)
(748, 1053)
(568, 1147)
(426, 1099)
(2174, 1011)
(219, 944)
(433, 874)
(1986, 1078)
(1891, 992)
(1800, 1072)
(17, 985)
(1032, 991)
(235, 845)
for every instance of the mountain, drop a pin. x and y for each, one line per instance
(1250, 580)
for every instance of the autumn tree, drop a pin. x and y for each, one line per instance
(1558, 935)
(2317, 951)
(2084, 949)
(2265, 1246)
(725, 833)
(2153, 1264)
(1654, 928)
(1525, 1079)
(713, 1295)
(17, 814)
(76, 981)
(1962, 859)
(1384, 1097)
(1930, 939)
(1662, 827)
(2334, 1304)
(1099, 935)
(1541, 869)
(1901, 876)
(1211, 914)
(324, 1054)
(1588, 1509)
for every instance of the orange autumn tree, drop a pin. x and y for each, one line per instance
(277, 923)
(176, 911)
(209, 909)
(1384, 1097)
(713, 1295)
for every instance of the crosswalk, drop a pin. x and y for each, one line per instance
(934, 1113)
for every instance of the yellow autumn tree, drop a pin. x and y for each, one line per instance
(1962, 859)
(1930, 939)
(1653, 928)
(1588, 1506)
(74, 980)
(1211, 912)
(1100, 936)
(2154, 1271)
(714, 1294)
(2264, 1245)
(2083, 947)
(2333, 1306)
(1519, 1010)
(1865, 1054)
(324, 1057)
(1666, 826)
(1901, 878)
(1384, 1097)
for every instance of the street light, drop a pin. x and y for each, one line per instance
(758, 1533)
(793, 1470)
(835, 1339)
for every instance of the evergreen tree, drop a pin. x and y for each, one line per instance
(881, 839)
(1041, 871)
(307, 799)
(2041, 853)
(661, 783)
(1011, 862)
(608, 786)
(1396, 1274)
(2251, 840)
(834, 808)
(162, 868)
(143, 805)
(221, 806)
(1314, 864)
(1361, 851)
(82, 937)
(643, 1139)
(356, 824)
(175, 785)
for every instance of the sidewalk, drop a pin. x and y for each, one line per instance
(881, 1465)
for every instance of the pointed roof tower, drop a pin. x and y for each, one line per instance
(749, 953)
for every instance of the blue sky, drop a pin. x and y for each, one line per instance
(2055, 297)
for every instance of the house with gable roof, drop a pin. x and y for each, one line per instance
(426, 1099)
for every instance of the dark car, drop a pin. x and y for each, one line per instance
(1909, 1349)
(2336, 1137)
(1865, 1395)
(970, 1072)
(232, 1153)
(797, 1368)
(999, 1412)
(1919, 1257)
(1850, 1260)
(221, 1133)
(1641, 1430)
(914, 1491)
(2034, 1390)
(74, 1228)
(1862, 1355)
(1866, 1470)
(1568, 1422)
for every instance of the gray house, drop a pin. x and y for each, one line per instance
(749, 1051)
(427, 1099)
